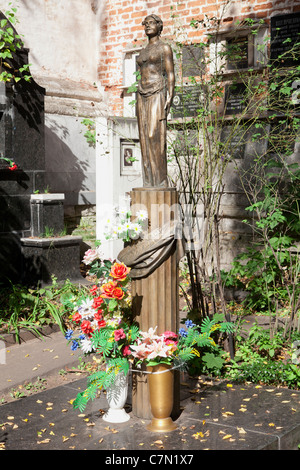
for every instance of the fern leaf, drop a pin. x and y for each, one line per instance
(227, 327)
(187, 354)
(80, 402)
(207, 325)
(134, 332)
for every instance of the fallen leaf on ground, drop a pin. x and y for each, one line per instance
(227, 413)
(241, 431)
(198, 435)
(45, 441)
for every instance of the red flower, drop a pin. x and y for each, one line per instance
(13, 166)
(119, 271)
(108, 289)
(97, 302)
(101, 323)
(98, 315)
(118, 293)
(119, 334)
(93, 290)
(86, 327)
(76, 317)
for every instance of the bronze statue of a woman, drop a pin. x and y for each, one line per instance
(154, 99)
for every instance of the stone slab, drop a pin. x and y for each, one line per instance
(47, 421)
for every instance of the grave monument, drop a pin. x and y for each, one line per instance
(154, 258)
(25, 255)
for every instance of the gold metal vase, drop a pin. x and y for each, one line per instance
(161, 390)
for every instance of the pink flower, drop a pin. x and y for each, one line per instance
(119, 334)
(91, 255)
(126, 351)
(140, 350)
(169, 334)
(172, 345)
(158, 348)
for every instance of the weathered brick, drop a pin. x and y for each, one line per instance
(122, 29)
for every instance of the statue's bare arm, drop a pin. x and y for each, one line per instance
(169, 67)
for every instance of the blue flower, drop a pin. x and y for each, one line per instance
(81, 337)
(189, 324)
(74, 345)
(69, 334)
(182, 332)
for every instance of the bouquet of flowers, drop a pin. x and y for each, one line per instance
(177, 349)
(104, 327)
(120, 225)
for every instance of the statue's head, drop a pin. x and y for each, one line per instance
(158, 21)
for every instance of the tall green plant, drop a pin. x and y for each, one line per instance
(201, 148)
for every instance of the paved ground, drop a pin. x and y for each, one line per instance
(214, 416)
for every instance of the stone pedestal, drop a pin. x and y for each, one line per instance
(44, 257)
(155, 297)
(47, 212)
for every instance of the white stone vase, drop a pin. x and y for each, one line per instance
(116, 396)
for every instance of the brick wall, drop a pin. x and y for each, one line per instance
(121, 29)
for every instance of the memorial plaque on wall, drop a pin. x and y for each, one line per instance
(235, 98)
(192, 56)
(285, 33)
(233, 141)
(187, 101)
(237, 49)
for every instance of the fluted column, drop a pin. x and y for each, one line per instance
(155, 297)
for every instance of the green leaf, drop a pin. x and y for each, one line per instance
(212, 361)
(113, 303)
